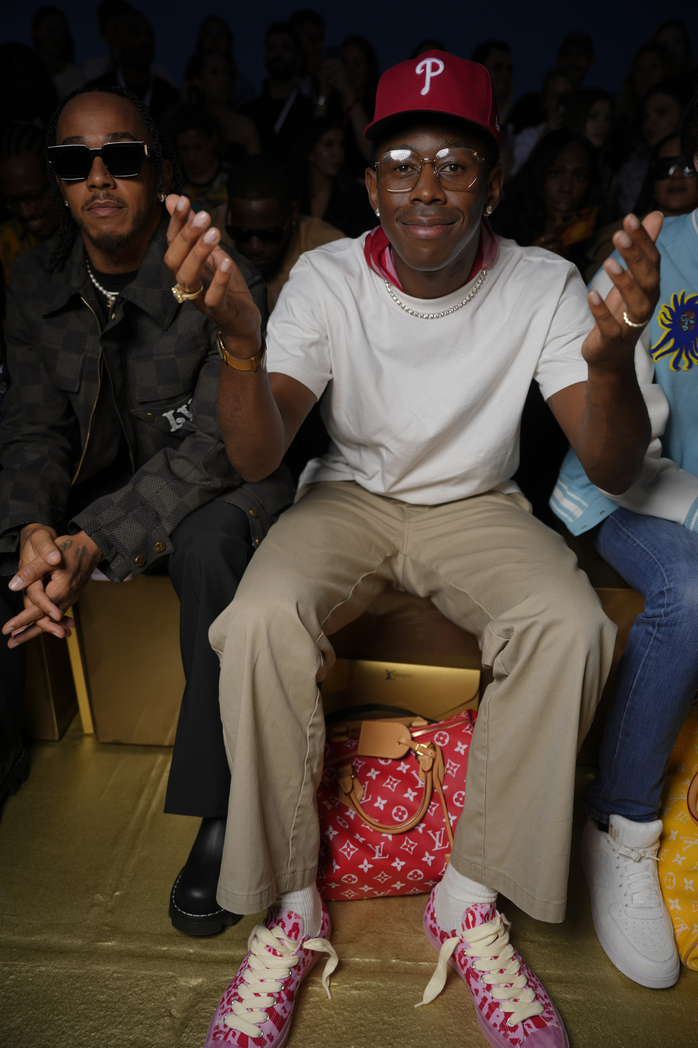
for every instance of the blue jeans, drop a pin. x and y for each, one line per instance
(657, 676)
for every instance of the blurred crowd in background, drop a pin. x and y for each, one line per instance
(283, 170)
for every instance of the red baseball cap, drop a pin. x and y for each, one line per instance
(436, 82)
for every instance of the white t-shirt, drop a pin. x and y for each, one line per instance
(427, 411)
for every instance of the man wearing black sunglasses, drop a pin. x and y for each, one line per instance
(110, 450)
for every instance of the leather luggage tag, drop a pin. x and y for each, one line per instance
(381, 738)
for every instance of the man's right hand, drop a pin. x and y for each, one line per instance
(194, 258)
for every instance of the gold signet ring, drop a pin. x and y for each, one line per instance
(182, 294)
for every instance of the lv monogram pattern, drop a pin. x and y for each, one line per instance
(358, 862)
(678, 848)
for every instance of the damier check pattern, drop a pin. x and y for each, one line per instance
(52, 434)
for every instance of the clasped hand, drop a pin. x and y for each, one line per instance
(52, 572)
(611, 343)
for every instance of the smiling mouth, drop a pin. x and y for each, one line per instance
(427, 230)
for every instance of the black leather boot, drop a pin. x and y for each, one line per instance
(193, 906)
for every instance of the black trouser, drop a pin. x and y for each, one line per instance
(212, 549)
(11, 675)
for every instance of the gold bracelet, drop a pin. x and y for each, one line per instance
(238, 363)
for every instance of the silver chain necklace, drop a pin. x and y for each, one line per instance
(111, 296)
(446, 312)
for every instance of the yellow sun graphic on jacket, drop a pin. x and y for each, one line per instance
(679, 324)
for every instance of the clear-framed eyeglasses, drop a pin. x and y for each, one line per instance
(399, 170)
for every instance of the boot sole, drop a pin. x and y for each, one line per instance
(199, 923)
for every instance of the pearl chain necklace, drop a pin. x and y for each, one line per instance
(446, 312)
(111, 296)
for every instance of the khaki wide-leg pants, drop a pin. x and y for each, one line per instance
(490, 567)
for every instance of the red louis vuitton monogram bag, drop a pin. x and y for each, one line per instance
(389, 800)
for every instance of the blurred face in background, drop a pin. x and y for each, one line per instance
(662, 115)
(597, 125)
(214, 81)
(648, 71)
(677, 194)
(356, 68)
(262, 230)
(498, 65)
(281, 56)
(567, 182)
(214, 35)
(557, 87)
(52, 40)
(197, 153)
(327, 155)
(25, 192)
(312, 40)
(673, 42)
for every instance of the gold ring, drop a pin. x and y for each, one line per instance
(631, 323)
(182, 294)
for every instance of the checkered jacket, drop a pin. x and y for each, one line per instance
(50, 434)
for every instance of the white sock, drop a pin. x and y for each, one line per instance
(308, 905)
(455, 894)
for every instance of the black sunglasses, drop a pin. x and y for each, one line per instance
(668, 166)
(73, 163)
(268, 235)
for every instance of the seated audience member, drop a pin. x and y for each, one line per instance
(553, 201)
(108, 14)
(309, 29)
(134, 48)
(671, 186)
(576, 56)
(215, 35)
(650, 535)
(650, 65)
(556, 84)
(348, 94)
(55, 47)
(661, 114)
(25, 192)
(325, 190)
(27, 92)
(673, 38)
(195, 134)
(433, 317)
(208, 80)
(590, 113)
(262, 221)
(110, 449)
(282, 109)
(495, 55)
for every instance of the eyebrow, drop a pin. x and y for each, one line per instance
(113, 136)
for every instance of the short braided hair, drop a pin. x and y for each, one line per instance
(22, 138)
(161, 150)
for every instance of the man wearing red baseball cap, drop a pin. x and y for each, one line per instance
(424, 336)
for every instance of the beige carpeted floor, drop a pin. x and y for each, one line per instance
(89, 959)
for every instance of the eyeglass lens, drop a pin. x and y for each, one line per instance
(668, 166)
(73, 163)
(268, 235)
(399, 169)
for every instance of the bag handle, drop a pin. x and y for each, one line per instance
(692, 799)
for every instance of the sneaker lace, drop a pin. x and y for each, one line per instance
(499, 968)
(639, 875)
(266, 973)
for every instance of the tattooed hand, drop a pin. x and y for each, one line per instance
(52, 572)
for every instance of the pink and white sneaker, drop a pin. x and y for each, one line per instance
(511, 1004)
(256, 1009)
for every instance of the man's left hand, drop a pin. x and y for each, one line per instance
(62, 584)
(612, 341)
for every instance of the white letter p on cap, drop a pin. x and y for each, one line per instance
(430, 67)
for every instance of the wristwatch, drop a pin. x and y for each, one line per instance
(239, 364)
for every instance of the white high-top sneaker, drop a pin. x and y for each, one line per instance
(630, 916)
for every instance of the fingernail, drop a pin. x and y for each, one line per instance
(633, 221)
(613, 266)
(210, 235)
(595, 297)
(225, 265)
(53, 556)
(623, 239)
(200, 219)
(182, 203)
(15, 585)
